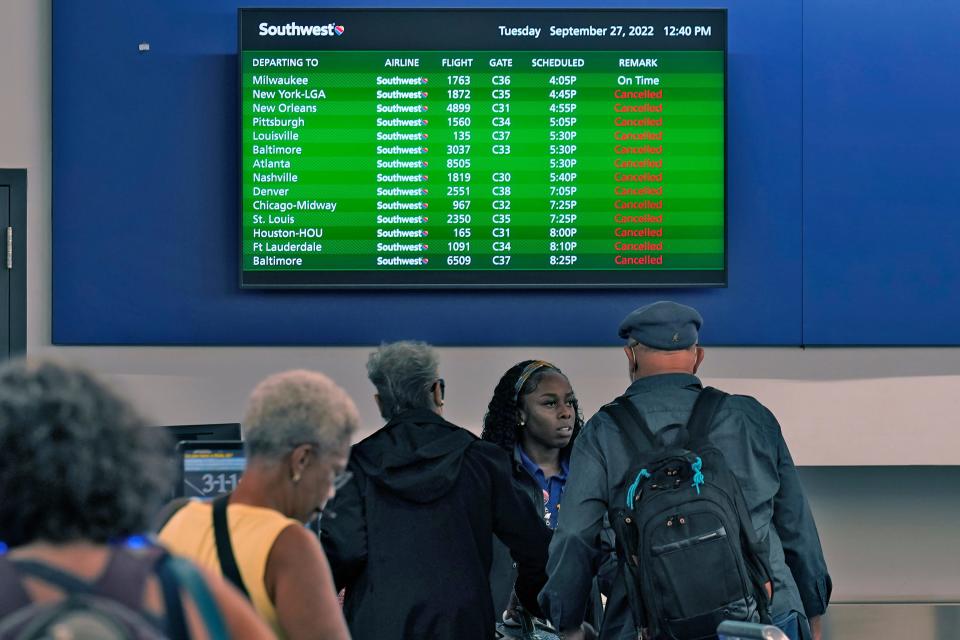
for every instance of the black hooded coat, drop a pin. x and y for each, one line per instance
(411, 541)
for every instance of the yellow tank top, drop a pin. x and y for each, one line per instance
(253, 530)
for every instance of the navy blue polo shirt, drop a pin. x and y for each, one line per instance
(552, 487)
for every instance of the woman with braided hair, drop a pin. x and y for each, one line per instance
(534, 416)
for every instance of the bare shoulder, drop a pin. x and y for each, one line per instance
(295, 558)
(294, 547)
(301, 586)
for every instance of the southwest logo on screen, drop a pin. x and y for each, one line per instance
(299, 30)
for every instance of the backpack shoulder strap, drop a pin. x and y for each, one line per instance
(221, 534)
(13, 595)
(172, 605)
(632, 424)
(54, 576)
(181, 572)
(704, 410)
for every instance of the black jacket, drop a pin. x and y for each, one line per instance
(504, 572)
(411, 541)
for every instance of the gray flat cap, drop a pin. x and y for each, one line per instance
(663, 325)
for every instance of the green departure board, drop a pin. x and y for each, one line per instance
(484, 148)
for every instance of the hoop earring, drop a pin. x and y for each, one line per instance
(296, 478)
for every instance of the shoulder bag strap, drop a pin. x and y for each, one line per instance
(13, 596)
(221, 534)
(632, 424)
(704, 410)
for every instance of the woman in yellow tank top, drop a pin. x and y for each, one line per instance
(297, 435)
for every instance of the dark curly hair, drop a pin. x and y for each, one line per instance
(501, 422)
(76, 461)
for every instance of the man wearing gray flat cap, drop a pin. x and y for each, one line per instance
(663, 356)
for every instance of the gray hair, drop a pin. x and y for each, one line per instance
(76, 461)
(404, 374)
(298, 407)
(633, 343)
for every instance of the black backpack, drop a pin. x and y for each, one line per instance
(684, 536)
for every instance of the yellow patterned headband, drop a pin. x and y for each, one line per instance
(528, 371)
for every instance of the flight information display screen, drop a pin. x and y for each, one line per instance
(210, 469)
(519, 148)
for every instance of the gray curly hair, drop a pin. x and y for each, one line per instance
(404, 374)
(298, 407)
(76, 461)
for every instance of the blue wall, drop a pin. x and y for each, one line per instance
(840, 222)
(881, 170)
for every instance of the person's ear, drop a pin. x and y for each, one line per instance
(299, 461)
(631, 360)
(437, 395)
(696, 364)
(376, 398)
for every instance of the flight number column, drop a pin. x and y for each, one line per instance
(459, 189)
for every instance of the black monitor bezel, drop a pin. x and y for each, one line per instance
(390, 280)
